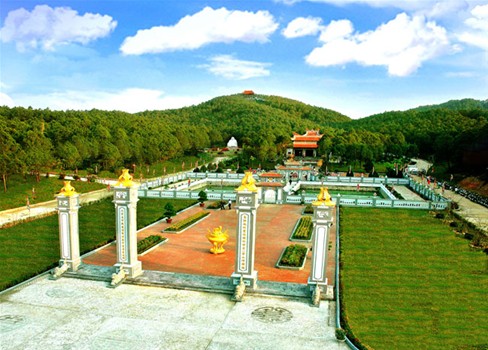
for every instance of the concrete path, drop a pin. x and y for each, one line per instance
(80, 314)
(46, 208)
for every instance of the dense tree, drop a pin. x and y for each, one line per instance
(263, 125)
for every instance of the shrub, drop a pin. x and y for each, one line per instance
(180, 225)
(340, 334)
(216, 205)
(439, 216)
(202, 196)
(308, 209)
(148, 242)
(294, 255)
(169, 210)
(303, 229)
(61, 176)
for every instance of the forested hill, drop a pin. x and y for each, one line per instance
(35, 139)
(435, 129)
(457, 105)
(240, 115)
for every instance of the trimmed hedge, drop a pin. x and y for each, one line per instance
(180, 225)
(294, 255)
(148, 242)
(303, 229)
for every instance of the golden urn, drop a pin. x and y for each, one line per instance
(217, 238)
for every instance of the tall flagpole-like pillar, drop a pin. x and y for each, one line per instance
(69, 242)
(322, 220)
(246, 204)
(125, 200)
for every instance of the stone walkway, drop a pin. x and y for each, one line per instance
(80, 314)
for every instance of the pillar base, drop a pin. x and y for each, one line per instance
(132, 271)
(73, 264)
(249, 280)
(322, 285)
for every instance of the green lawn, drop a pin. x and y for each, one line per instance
(45, 190)
(30, 248)
(409, 283)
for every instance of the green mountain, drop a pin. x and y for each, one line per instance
(457, 105)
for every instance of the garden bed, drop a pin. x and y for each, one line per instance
(293, 257)
(182, 225)
(149, 243)
(303, 230)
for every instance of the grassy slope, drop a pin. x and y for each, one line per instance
(45, 190)
(409, 283)
(33, 247)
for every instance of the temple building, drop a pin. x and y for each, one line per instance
(305, 145)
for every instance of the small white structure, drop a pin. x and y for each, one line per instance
(232, 143)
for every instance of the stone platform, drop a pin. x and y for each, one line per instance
(73, 313)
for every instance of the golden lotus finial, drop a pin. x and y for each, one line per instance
(125, 179)
(248, 183)
(217, 238)
(324, 198)
(67, 190)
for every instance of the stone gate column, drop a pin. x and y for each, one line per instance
(125, 200)
(246, 206)
(69, 242)
(322, 220)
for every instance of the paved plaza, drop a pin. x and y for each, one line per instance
(188, 252)
(82, 314)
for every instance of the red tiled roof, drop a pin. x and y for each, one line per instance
(270, 184)
(304, 145)
(282, 167)
(270, 175)
(310, 135)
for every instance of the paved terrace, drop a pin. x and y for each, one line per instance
(188, 252)
(80, 314)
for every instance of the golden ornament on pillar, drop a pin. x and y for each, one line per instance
(67, 190)
(248, 183)
(217, 238)
(125, 179)
(324, 198)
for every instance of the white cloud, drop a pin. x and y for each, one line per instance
(302, 26)
(477, 33)
(434, 6)
(203, 28)
(130, 100)
(336, 30)
(48, 27)
(231, 68)
(6, 100)
(401, 44)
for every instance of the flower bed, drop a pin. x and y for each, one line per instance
(149, 242)
(183, 224)
(293, 257)
(303, 230)
(308, 209)
(216, 205)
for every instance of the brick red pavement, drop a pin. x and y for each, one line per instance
(188, 252)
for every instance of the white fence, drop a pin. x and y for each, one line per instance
(180, 186)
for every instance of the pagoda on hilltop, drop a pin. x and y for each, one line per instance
(305, 145)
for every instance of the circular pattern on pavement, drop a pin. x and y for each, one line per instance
(272, 314)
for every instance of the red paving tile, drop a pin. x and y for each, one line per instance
(188, 252)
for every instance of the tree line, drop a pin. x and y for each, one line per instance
(34, 140)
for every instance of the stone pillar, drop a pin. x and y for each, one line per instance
(69, 242)
(246, 206)
(125, 200)
(322, 220)
(279, 199)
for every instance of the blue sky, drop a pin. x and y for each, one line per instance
(358, 57)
